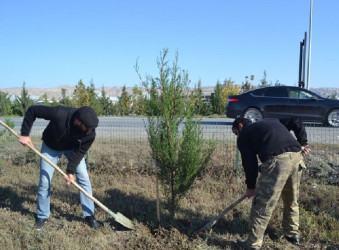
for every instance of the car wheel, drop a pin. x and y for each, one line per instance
(253, 114)
(333, 118)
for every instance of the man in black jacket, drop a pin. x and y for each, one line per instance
(282, 163)
(70, 132)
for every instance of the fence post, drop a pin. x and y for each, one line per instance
(237, 161)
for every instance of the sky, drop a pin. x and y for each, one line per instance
(47, 44)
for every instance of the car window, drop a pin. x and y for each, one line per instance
(258, 92)
(299, 94)
(276, 92)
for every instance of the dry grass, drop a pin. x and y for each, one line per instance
(124, 182)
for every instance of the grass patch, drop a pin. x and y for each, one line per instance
(124, 181)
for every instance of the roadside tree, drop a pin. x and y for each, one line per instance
(81, 96)
(199, 101)
(175, 136)
(93, 98)
(124, 102)
(138, 101)
(22, 102)
(65, 100)
(5, 104)
(216, 100)
(105, 103)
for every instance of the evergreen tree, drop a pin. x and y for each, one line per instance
(125, 102)
(80, 95)
(93, 98)
(44, 100)
(22, 102)
(199, 103)
(54, 102)
(65, 100)
(152, 109)
(138, 101)
(217, 102)
(114, 109)
(206, 108)
(105, 103)
(5, 104)
(180, 156)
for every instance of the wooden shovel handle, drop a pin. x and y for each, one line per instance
(219, 216)
(233, 205)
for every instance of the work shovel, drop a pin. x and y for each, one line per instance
(219, 216)
(118, 217)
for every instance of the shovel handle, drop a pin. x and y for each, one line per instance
(61, 172)
(233, 205)
(219, 216)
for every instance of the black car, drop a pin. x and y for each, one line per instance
(284, 101)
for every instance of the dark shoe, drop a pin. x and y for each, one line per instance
(92, 222)
(242, 244)
(40, 223)
(293, 240)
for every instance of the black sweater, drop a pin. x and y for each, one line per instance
(267, 138)
(60, 133)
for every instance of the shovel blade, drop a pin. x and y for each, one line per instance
(208, 225)
(122, 219)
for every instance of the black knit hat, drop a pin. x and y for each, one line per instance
(241, 120)
(87, 116)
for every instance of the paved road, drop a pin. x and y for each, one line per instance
(217, 128)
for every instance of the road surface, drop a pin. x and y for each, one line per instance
(213, 128)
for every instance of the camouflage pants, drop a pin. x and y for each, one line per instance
(279, 176)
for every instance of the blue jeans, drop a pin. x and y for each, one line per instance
(46, 175)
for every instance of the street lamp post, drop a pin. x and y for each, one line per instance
(309, 47)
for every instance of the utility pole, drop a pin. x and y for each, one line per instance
(309, 47)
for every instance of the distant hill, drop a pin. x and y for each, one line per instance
(56, 92)
(326, 92)
(116, 91)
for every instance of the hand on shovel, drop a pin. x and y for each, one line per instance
(305, 150)
(25, 140)
(69, 178)
(249, 193)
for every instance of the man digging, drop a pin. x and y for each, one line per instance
(70, 132)
(280, 172)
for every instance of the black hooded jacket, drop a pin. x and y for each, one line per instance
(60, 133)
